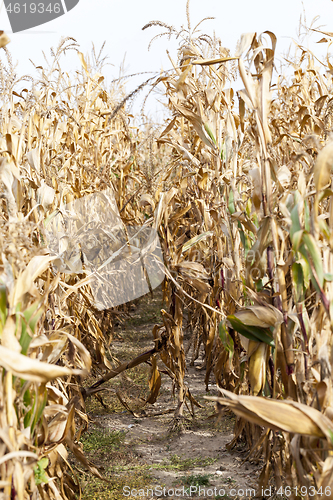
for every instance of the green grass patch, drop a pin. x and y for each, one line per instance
(179, 463)
(196, 480)
(96, 489)
(102, 440)
(105, 447)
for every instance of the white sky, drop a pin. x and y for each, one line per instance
(119, 24)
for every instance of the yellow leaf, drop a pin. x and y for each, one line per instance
(323, 167)
(287, 415)
(3, 39)
(83, 62)
(25, 281)
(32, 369)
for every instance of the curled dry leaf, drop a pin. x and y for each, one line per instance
(8, 338)
(18, 454)
(147, 199)
(32, 369)
(33, 158)
(262, 316)
(7, 172)
(193, 241)
(45, 195)
(154, 382)
(245, 43)
(25, 281)
(59, 426)
(4, 40)
(84, 353)
(323, 167)
(326, 478)
(286, 415)
(284, 176)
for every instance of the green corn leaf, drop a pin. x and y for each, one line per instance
(298, 281)
(36, 400)
(307, 218)
(306, 271)
(29, 324)
(231, 204)
(39, 471)
(295, 222)
(297, 239)
(252, 332)
(226, 339)
(210, 133)
(312, 251)
(50, 217)
(3, 306)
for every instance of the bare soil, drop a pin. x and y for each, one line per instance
(171, 465)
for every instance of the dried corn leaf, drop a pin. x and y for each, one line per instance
(32, 369)
(323, 167)
(287, 415)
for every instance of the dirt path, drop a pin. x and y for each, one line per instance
(136, 451)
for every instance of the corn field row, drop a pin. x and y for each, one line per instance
(237, 186)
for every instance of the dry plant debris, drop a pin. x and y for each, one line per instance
(238, 186)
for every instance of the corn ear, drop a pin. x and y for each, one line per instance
(257, 367)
